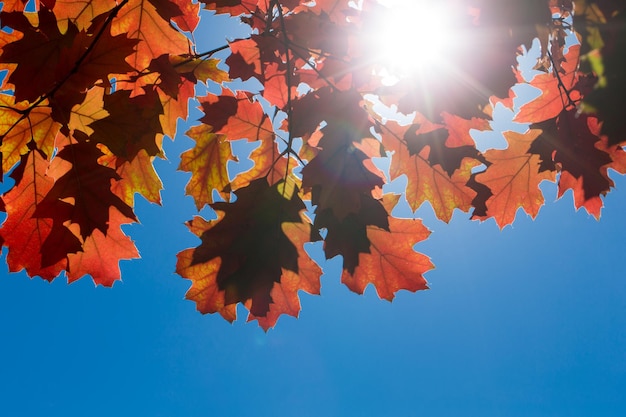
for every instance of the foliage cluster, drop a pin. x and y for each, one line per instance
(90, 88)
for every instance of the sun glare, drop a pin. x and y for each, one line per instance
(412, 38)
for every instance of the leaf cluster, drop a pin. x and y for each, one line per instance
(89, 89)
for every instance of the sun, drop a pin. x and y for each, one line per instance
(413, 38)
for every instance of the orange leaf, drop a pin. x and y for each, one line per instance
(81, 13)
(17, 129)
(207, 162)
(244, 252)
(552, 99)
(140, 19)
(237, 117)
(426, 181)
(102, 252)
(137, 176)
(513, 178)
(204, 291)
(269, 164)
(392, 264)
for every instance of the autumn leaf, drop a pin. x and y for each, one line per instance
(269, 164)
(239, 118)
(230, 266)
(208, 163)
(88, 184)
(428, 182)
(18, 127)
(90, 88)
(121, 133)
(586, 176)
(553, 98)
(284, 294)
(391, 264)
(22, 232)
(81, 13)
(136, 176)
(232, 7)
(513, 178)
(143, 20)
(89, 111)
(37, 54)
(101, 253)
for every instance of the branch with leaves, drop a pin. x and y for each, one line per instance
(89, 90)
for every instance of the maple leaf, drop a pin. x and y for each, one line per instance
(513, 177)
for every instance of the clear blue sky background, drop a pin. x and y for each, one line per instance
(525, 322)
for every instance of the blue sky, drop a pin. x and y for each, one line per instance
(527, 321)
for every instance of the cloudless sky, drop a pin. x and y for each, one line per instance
(524, 322)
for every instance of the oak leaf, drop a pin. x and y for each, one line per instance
(208, 163)
(284, 294)
(149, 22)
(101, 253)
(391, 264)
(427, 182)
(18, 127)
(553, 99)
(244, 252)
(22, 232)
(120, 130)
(513, 178)
(82, 192)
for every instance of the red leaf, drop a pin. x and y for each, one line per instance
(22, 232)
(582, 161)
(142, 20)
(102, 252)
(82, 191)
(120, 130)
(37, 54)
